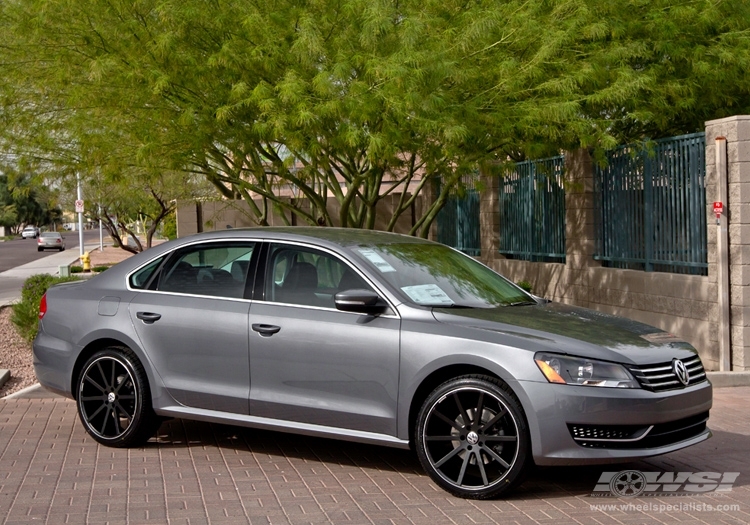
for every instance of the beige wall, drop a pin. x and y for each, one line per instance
(685, 305)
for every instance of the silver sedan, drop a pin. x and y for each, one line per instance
(51, 240)
(371, 337)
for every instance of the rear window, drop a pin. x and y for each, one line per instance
(50, 234)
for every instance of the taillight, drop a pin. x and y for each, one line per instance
(43, 306)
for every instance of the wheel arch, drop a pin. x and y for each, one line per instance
(435, 379)
(100, 341)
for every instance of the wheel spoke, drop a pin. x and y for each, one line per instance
(448, 456)
(497, 458)
(464, 414)
(499, 438)
(92, 416)
(451, 423)
(106, 418)
(128, 397)
(112, 380)
(93, 398)
(127, 414)
(88, 378)
(101, 372)
(495, 419)
(441, 438)
(480, 407)
(480, 463)
(460, 479)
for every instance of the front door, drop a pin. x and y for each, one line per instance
(312, 363)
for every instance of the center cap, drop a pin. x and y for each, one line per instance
(472, 438)
(111, 397)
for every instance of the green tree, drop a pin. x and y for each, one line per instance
(357, 99)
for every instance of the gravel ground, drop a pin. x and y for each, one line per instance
(15, 355)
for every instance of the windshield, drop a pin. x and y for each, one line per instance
(435, 275)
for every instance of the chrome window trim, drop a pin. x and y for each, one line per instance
(170, 252)
(323, 308)
(270, 242)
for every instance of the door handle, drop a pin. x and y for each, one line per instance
(148, 317)
(266, 330)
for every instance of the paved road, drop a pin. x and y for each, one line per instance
(52, 472)
(21, 251)
(20, 258)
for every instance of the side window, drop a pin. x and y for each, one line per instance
(216, 270)
(303, 276)
(140, 279)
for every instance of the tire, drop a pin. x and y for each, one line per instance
(473, 457)
(40, 249)
(114, 401)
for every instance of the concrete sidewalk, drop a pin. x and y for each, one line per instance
(12, 280)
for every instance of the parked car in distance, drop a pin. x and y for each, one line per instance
(370, 337)
(30, 232)
(52, 240)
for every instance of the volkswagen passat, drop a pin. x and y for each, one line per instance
(372, 337)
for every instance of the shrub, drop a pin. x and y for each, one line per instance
(98, 269)
(26, 313)
(526, 285)
(76, 269)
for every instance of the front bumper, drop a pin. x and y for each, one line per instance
(554, 411)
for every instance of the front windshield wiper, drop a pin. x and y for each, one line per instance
(448, 306)
(523, 303)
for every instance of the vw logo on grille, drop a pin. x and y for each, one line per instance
(681, 371)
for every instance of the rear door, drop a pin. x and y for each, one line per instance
(193, 323)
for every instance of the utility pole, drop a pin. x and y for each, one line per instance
(79, 206)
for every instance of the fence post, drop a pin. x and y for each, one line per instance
(489, 217)
(736, 131)
(580, 230)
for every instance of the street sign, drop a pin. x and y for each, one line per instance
(79, 206)
(718, 209)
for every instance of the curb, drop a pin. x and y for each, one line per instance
(728, 379)
(4, 376)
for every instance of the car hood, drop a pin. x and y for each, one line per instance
(572, 330)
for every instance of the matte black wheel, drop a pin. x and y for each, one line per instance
(114, 402)
(39, 249)
(472, 438)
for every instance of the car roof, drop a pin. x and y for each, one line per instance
(338, 236)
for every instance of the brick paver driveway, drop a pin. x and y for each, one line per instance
(51, 472)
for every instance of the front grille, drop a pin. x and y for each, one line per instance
(638, 436)
(661, 377)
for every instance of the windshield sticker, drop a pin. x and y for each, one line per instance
(380, 263)
(427, 294)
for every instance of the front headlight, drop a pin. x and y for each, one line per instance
(570, 370)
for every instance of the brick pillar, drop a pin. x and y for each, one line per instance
(489, 217)
(580, 232)
(736, 130)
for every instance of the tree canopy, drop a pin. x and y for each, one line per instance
(356, 99)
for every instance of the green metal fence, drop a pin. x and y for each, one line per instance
(651, 207)
(532, 211)
(458, 223)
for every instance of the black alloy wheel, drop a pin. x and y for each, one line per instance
(472, 437)
(113, 399)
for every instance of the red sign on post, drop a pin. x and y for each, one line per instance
(718, 209)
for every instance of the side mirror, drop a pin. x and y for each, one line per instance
(360, 301)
